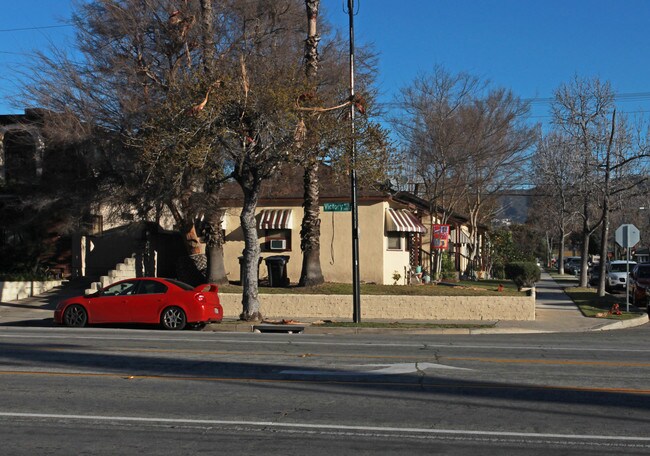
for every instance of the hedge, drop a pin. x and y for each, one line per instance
(523, 273)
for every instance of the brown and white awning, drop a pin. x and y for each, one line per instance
(275, 219)
(459, 237)
(403, 220)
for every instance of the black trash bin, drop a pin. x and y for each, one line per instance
(277, 266)
(241, 270)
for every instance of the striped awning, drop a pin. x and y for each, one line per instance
(464, 239)
(403, 220)
(275, 219)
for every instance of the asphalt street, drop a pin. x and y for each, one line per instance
(108, 390)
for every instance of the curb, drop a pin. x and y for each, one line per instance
(622, 324)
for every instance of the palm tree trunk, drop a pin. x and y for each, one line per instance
(214, 249)
(311, 273)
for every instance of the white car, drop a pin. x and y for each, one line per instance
(617, 273)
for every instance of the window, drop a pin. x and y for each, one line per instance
(394, 240)
(151, 287)
(121, 289)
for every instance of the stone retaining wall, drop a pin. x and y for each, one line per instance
(339, 307)
(11, 291)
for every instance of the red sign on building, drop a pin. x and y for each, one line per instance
(440, 238)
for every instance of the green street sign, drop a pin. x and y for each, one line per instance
(337, 207)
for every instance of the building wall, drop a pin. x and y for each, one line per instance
(335, 246)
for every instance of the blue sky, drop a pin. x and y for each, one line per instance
(528, 46)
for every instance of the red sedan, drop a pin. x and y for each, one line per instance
(167, 302)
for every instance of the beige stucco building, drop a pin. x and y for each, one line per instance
(383, 247)
(389, 230)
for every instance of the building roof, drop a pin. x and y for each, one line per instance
(286, 188)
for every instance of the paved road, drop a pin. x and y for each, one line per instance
(108, 390)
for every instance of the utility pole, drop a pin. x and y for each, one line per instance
(356, 295)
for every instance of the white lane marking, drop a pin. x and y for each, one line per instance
(297, 342)
(386, 369)
(338, 427)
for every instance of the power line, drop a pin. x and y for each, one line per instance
(24, 29)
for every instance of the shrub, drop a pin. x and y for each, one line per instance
(523, 273)
(447, 266)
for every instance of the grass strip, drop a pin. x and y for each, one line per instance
(461, 288)
(592, 305)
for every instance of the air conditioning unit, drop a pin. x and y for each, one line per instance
(278, 244)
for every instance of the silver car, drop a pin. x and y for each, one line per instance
(617, 273)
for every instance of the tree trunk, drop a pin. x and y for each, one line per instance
(585, 255)
(603, 254)
(215, 240)
(207, 47)
(311, 273)
(192, 242)
(250, 298)
(560, 255)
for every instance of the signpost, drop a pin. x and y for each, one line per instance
(627, 236)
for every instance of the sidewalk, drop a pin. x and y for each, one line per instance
(555, 312)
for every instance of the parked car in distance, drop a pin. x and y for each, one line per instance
(617, 273)
(594, 274)
(150, 300)
(639, 283)
(573, 265)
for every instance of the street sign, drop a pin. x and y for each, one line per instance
(627, 236)
(337, 207)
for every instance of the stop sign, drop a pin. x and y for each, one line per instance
(627, 236)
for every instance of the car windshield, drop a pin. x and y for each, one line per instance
(180, 284)
(620, 267)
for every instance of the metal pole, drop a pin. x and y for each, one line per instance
(627, 278)
(356, 295)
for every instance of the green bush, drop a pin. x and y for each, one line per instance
(523, 273)
(448, 269)
(498, 271)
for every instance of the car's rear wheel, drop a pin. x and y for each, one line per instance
(75, 316)
(173, 318)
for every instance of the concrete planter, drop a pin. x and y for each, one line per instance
(339, 307)
(11, 291)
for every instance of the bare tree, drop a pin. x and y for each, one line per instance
(498, 145)
(581, 111)
(431, 125)
(554, 177)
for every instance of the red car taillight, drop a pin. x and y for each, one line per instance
(200, 297)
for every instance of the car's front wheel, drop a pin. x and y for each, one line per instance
(75, 316)
(173, 318)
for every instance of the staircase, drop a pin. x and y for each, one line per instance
(125, 270)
